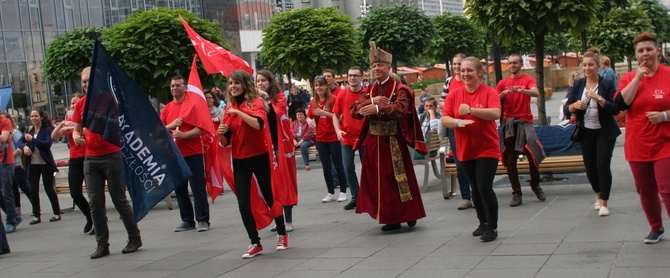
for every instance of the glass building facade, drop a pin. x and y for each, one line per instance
(28, 26)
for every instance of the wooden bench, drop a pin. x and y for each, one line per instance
(550, 165)
(434, 145)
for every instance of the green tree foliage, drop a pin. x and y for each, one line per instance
(659, 16)
(514, 19)
(152, 46)
(307, 41)
(68, 53)
(403, 30)
(614, 35)
(455, 34)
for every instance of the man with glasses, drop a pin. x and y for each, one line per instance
(388, 191)
(519, 133)
(348, 129)
(186, 133)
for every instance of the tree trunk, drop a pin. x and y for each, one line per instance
(539, 71)
(583, 37)
(394, 66)
(448, 66)
(630, 63)
(497, 67)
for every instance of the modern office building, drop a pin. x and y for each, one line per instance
(28, 26)
(357, 8)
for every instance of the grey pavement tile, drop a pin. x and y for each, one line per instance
(238, 274)
(447, 273)
(349, 252)
(513, 262)
(307, 274)
(268, 262)
(374, 263)
(502, 273)
(116, 265)
(88, 274)
(575, 248)
(583, 272)
(581, 260)
(357, 273)
(146, 274)
(175, 265)
(330, 264)
(447, 263)
(626, 272)
(29, 267)
(217, 265)
(642, 260)
(472, 248)
(406, 251)
(525, 249)
(197, 255)
(638, 247)
(43, 274)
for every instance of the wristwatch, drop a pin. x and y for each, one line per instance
(469, 110)
(600, 98)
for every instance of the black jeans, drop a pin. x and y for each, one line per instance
(20, 181)
(463, 183)
(597, 155)
(244, 170)
(97, 170)
(75, 180)
(480, 173)
(37, 170)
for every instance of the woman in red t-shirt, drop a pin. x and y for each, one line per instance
(472, 112)
(327, 145)
(645, 95)
(75, 176)
(244, 125)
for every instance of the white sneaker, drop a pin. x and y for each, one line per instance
(342, 197)
(597, 205)
(328, 198)
(603, 211)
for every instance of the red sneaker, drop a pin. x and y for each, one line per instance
(282, 242)
(254, 250)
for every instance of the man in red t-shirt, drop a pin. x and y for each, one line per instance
(332, 85)
(515, 93)
(187, 138)
(103, 162)
(7, 175)
(348, 129)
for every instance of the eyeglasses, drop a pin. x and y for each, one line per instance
(176, 85)
(514, 63)
(355, 75)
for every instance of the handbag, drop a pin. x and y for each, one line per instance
(577, 134)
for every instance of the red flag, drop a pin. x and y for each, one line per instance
(195, 112)
(215, 58)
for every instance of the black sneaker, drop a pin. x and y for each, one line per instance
(100, 252)
(489, 235)
(539, 193)
(351, 205)
(654, 237)
(480, 230)
(390, 227)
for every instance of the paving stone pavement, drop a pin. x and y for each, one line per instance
(561, 237)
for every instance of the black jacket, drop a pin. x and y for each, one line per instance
(606, 113)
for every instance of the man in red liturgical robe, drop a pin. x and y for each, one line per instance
(388, 190)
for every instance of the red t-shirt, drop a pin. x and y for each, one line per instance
(481, 138)
(348, 124)
(187, 147)
(75, 151)
(646, 141)
(325, 132)
(96, 145)
(336, 91)
(245, 140)
(9, 152)
(517, 105)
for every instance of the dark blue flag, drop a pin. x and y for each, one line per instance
(117, 109)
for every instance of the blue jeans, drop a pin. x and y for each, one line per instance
(331, 152)
(460, 174)
(199, 189)
(304, 151)
(4, 245)
(8, 193)
(350, 168)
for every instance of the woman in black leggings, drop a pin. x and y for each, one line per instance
(244, 128)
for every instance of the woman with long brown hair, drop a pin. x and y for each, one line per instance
(327, 144)
(244, 128)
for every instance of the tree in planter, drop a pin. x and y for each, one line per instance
(455, 34)
(514, 19)
(307, 41)
(403, 30)
(152, 46)
(69, 53)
